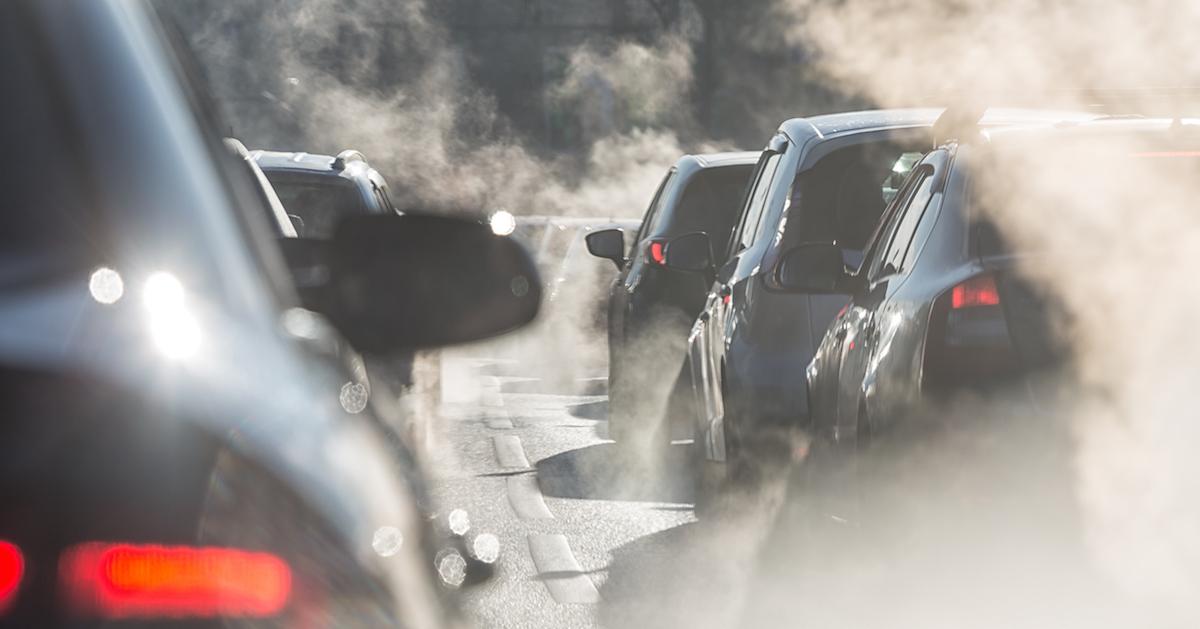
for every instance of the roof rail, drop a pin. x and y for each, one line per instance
(348, 155)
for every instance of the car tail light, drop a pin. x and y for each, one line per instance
(143, 581)
(968, 342)
(656, 252)
(12, 569)
(975, 292)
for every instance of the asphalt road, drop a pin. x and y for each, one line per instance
(589, 537)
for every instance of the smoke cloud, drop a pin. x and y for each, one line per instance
(1085, 515)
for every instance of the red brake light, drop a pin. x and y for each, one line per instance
(658, 252)
(12, 569)
(129, 581)
(977, 291)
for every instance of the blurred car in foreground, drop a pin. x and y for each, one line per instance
(651, 307)
(180, 444)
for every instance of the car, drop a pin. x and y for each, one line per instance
(944, 307)
(179, 443)
(651, 307)
(284, 223)
(317, 191)
(820, 179)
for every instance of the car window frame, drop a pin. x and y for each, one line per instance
(903, 231)
(762, 181)
(652, 212)
(881, 239)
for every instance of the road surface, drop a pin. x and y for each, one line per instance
(588, 538)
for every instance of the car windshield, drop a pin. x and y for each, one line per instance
(319, 202)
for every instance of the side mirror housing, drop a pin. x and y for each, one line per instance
(814, 267)
(690, 252)
(415, 281)
(608, 244)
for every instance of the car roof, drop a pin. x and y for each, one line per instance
(729, 158)
(828, 126)
(286, 160)
(1096, 128)
(315, 164)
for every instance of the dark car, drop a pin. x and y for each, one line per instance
(944, 305)
(321, 189)
(318, 191)
(825, 178)
(820, 179)
(179, 444)
(277, 215)
(651, 307)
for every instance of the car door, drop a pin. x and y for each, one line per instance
(627, 280)
(716, 322)
(824, 371)
(874, 318)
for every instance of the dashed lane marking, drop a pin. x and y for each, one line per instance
(509, 452)
(560, 571)
(526, 498)
(499, 423)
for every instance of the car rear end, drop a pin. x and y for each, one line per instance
(707, 201)
(1013, 323)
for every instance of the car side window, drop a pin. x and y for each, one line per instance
(880, 245)
(913, 211)
(652, 214)
(757, 203)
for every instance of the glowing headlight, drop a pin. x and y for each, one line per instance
(502, 223)
(174, 329)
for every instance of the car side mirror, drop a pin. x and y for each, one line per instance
(691, 253)
(391, 282)
(608, 244)
(814, 267)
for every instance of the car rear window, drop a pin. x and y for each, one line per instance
(710, 203)
(319, 202)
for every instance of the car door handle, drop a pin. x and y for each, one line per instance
(704, 316)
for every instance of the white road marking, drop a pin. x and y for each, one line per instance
(499, 423)
(560, 571)
(526, 498)
(509, 452)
